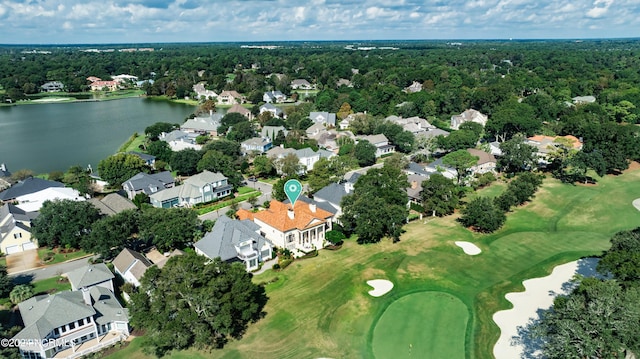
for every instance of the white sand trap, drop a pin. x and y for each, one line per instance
(52, 99)
(538, 295)
(380, 287)
(636, 203)
(469, 248)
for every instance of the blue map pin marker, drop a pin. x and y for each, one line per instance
(293, 189)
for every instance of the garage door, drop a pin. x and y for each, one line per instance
(29, 245)
(14, 249)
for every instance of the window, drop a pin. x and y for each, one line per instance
(72, 325)
(56, 331)
(17, 235)
(81, 322)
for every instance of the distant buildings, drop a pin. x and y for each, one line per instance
(52, 86)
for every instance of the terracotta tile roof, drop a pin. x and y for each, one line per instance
(277, 217)
(546, 140)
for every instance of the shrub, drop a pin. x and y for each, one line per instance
(335, 237)
(276, 266)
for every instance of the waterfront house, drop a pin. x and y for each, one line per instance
(203, 187)
(148, 183)
(274, 97)
(52, 86)
(230, 98)
(237, 108)
(25, 187)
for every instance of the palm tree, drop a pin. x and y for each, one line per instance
(20, 293)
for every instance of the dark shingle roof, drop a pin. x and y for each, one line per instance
(27, 186)
(144, 182)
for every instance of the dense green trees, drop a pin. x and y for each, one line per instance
(378, 206)
(64, 223)
(482, 215)
(365, 153)
(600, 317)
(517, 156)
(111, 234)
(185, 162)
(168, 228)
(439, 195)
(195, 302)
(120, 167)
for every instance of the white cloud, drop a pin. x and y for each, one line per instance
(26, 21)
(599, 11)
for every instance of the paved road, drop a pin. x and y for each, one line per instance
(47, 272)
(264, 187)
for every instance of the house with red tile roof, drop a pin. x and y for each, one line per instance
(300, 228)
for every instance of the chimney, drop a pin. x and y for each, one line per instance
(290, 213)
(3, 167)
(210, 112)
(312, 207)
(414, 184)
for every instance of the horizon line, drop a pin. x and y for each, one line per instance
(320, 41)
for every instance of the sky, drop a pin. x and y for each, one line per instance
(144, 21)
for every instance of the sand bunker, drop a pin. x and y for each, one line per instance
(380, 287)
(469, 248)
(636, 203)
(538, 295)
(52, 99)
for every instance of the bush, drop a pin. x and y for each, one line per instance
(285, 263)
(276, 266)
(335, 237)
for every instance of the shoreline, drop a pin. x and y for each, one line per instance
(68, 97)
(538, 295)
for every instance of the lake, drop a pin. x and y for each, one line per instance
(55, 136)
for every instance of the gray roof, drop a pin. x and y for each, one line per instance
(174, 135)
(204, 177)
(145, 157)
(43, 313)
(18, 214)
(224, 235)
(27, 186)
(329, 118)
(332, 193)
(112, 203)
(210, 123)
(191, 187)
(353, 178)
(419, 170)
(376, 140)
(322, 205)
(149, 183)
(106, 306)
(132, 261)
(305, 153)
(89, 275)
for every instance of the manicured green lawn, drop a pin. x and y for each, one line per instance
(425, 324)
(59, 257)
(133, 143)
(51, 285)
(321, 308)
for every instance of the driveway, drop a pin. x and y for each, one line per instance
(266, 189)
(22, 261)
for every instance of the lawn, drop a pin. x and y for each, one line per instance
(51, 285)
(320, 307)
(425, 324)
(59, 257)
(133, 143)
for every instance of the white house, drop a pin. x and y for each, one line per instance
(131, 265)
(469, 115)
(301, 228)
(381, 142)
(274, 97)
